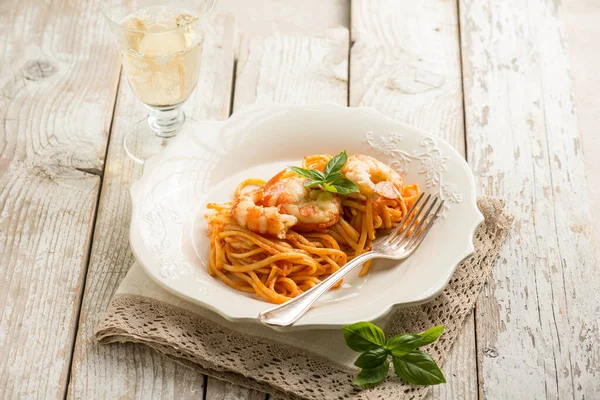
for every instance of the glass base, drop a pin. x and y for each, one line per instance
(142, 142)
(166, 121)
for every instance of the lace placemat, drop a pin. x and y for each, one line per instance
(295, 365)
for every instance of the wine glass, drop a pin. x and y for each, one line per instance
(160, 43)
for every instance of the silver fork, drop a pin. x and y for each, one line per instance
(398, 245)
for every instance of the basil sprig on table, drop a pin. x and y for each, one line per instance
(410, 364)
(331, 179)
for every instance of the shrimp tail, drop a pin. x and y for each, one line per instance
(387, 189)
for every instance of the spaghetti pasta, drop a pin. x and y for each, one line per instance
(278, 269)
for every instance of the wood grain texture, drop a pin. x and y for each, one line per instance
(293, 69)
(538, 319)
(287, 70)
(405, 63)
(130, 371)
(58, 81)
(286, 17)
(580, 19)
(46, 216)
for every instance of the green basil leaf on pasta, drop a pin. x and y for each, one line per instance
(333, 176)
(329, 187)
(343, 189)
(312, 183)
(336, 163)
(345, 186)
(307, 173)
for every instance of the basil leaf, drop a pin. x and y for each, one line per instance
(347, 183)
(319, 174)
(418, 368)
(336, 163)
(333, 176)
(328, 187)
(308, 173)
(363, 336)
(431, 335)
(312, 183)
(372, 358)
(369, 377)
(401, 345)
(344, 186)
(341, 189)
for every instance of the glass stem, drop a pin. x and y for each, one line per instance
(166, 121)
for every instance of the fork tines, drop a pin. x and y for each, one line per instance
(416, 223)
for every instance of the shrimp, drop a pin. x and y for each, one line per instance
(284, 202)
(314, 209)
(373, 177)
(259, 219)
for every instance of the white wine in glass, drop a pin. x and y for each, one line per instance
(160, 43)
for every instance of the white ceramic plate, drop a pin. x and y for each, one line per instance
(209, 159)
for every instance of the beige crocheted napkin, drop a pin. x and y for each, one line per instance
(294, 365)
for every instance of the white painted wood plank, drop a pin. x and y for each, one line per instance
(538, 319)
(46, 218)
(58, 78)
(405, 63)
(286, 17)
(287, 70)
(57, 84)
(292, 69)
(130, 371)
(580, 18)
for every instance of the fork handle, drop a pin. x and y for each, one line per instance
(289, 312)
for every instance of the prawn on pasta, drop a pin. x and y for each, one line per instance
(279, 238)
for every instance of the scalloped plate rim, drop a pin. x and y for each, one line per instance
(427, 296)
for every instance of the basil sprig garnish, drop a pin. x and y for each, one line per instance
(330, 179)
(410, 364)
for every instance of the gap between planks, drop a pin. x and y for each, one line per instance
(286, 69)
(89, 254)
(56, 96)
(538, 317)
(274, 96)
(127, 370)
(405, 63)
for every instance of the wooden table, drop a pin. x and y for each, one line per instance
(491, 77)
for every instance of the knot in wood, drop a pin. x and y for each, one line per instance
(490, 352)
(34, 70)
